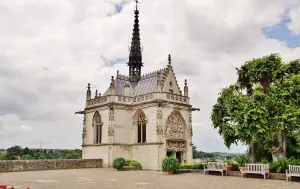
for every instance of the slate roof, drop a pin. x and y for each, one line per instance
(146, 85)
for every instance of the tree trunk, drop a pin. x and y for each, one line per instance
(279, 151)
(253, 153)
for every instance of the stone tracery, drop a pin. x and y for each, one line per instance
(140, 120)
(175, 126)
(97, 124)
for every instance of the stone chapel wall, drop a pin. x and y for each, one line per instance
(104, 113)
(123, 126)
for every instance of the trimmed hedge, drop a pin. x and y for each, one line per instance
(193, 166)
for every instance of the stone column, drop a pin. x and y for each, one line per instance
(159, 123)
(84, 133)
(111, 125)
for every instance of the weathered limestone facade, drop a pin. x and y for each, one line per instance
(144, 118)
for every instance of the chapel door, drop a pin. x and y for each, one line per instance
(178, 156)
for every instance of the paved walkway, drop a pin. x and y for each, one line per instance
(111, 179)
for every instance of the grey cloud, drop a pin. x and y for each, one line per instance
(51, 50)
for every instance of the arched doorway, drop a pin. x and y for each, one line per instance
(175, 129)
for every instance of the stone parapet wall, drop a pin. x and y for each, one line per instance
(36, 165)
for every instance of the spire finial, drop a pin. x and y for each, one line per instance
(185, 83)
(88, 92)
(136, 4)
(135, 53)
(169, 59)
(96, 93)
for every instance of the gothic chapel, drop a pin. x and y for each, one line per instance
(140, 117)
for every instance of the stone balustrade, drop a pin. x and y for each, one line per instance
(138, 99)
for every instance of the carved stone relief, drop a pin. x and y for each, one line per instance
(111, 114)
(176, 145)
(174, 126)
(159, 114)
(141, 119)
(84, 132)
(111, 131)
(84, 120)
(159, 129)
(190, 130)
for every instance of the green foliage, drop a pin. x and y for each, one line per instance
(235, 167)
(192, 166)
(133, 163)
(26, 153)
(212, 160)
(170, 164)
(242, 160)
(229, 162)
(118, 163)
(14, 152)
(200, 154)
(283, 164)
(263, 106)
(26, 157)
(3, 156)
(264, 161)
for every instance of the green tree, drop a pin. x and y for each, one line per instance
(27, 157)
(39, 155)
(26, 151)
(13, 152)
(262, 108)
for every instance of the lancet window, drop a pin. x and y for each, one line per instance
(97, 124)
(141, 127)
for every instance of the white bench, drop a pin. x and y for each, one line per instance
(216, 166)
(293, 171)
(262, 169)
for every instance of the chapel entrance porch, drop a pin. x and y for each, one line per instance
(177, 154)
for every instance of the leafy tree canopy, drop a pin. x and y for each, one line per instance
(262, 106)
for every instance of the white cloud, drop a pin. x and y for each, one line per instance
(25, 128)
(51, 49)
(294, 24)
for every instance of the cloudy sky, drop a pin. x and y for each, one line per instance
(51, 49)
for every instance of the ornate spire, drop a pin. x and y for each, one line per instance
(135, 55)
(88, 92)
(169, 60)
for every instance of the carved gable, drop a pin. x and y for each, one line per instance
(171, 83)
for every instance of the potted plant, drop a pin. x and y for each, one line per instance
(170, 165)
(229, 165)
(242, 160)
(119, 163)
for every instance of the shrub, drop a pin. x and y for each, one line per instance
(192, 166)
(241, 160)
(127, 162)
(282, 164)
(235, 167)
(229, 162)
(119, 163)
(135, 163)
(170, 164)
(212, 160)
